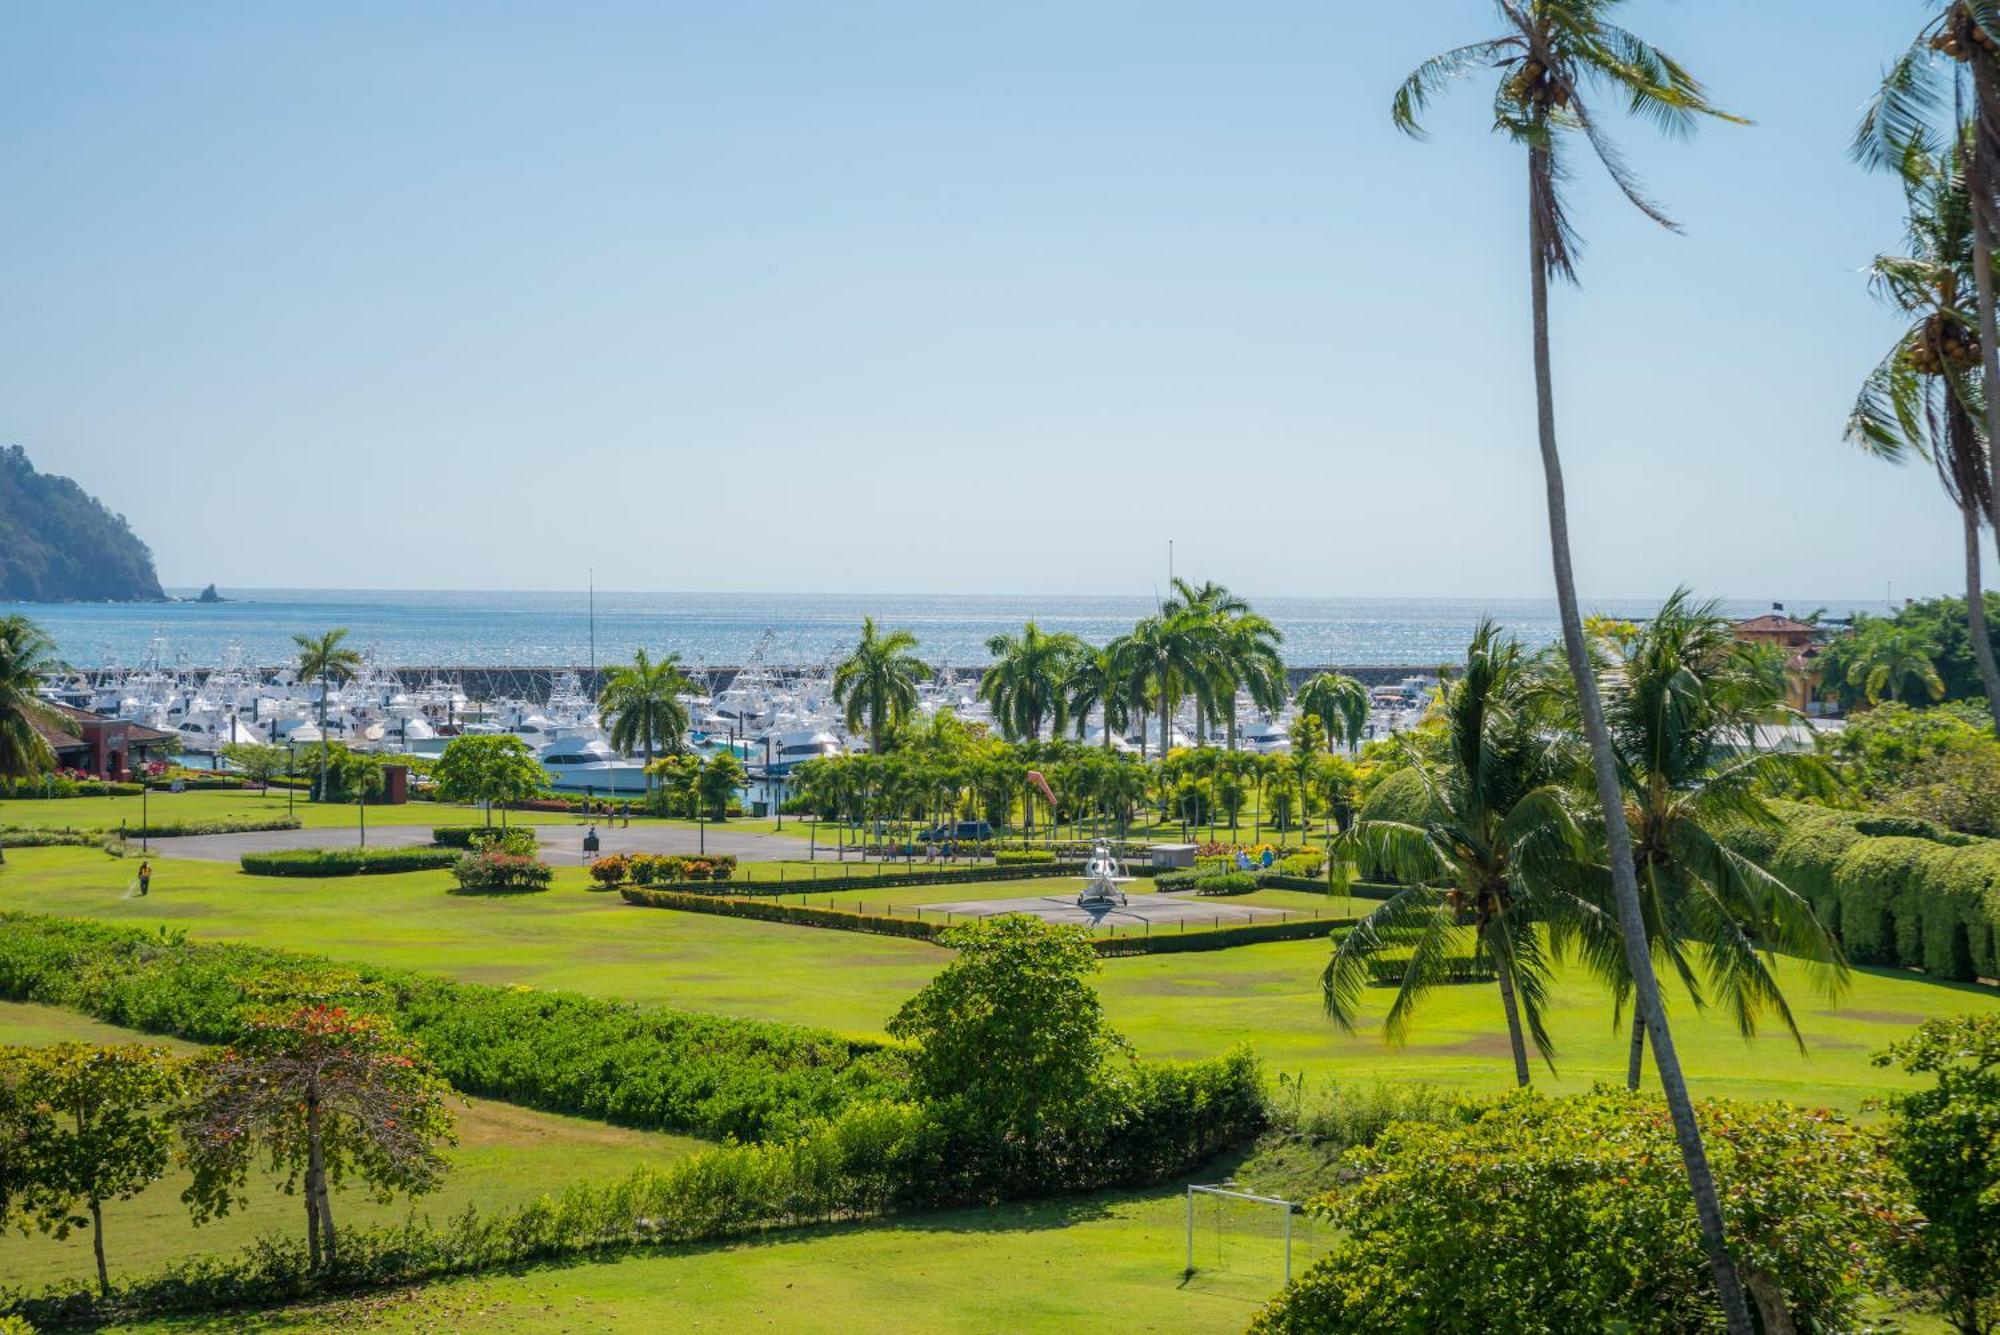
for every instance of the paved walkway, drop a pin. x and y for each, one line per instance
(1164, 909)
(561, 844)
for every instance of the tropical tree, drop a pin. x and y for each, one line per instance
(1924, 397)
(257, 763)
(1496, 868)
(878, 681)
(497, 768)
(92, 1128)
(26, 656)
(1029, 679)
(1247, 659)
(1687, 699)
(319, 1092)
(1100, 680)
(1340, 703)
(640, 704)
(1887, 657)
(1171, 649)
(1547, 55)
(327, 659)
(722, 777)
(1905, 121)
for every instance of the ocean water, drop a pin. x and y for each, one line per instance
(432, 629)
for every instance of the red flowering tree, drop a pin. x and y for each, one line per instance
(319, 1093)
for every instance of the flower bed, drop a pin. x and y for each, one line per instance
(492, 871)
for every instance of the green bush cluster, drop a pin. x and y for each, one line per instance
(1387, 968)
(703, 1074)
(1532, 1214)
(1894, 898)
(34, 836)
(1225, 883)
(346, 861)
(668, 868)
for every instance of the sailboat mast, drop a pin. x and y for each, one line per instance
(593, 629)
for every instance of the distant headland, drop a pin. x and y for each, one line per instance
(59, 544)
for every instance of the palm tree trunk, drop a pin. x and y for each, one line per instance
(1638, 955)
(1975, 611)
(1166, 718)
(1635, 1065)
(1515, 1038)
(1986, 86)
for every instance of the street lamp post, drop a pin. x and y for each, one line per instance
(291, 776)
(144, 792)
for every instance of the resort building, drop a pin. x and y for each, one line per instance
(1800, 643)
(103, 748)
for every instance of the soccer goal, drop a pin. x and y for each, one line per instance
(1236, 1231)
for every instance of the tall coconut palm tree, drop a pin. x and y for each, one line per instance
(1100, 680)
(878, 681)
(1028, 681)
(26, 656)
(640, 703)
(1340, 703)
(1171, 650)
(1497, 864)
(1905, 120)
(1684, 697)
(1548, 54)
(1247, 659)
(327, 659)
(1206, 612)
(1889, 657)
(1924, 398)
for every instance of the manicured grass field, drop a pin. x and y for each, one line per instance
(1182, 1005)
(505, 1155)
(1102, 1263)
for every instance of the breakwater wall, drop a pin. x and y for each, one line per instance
(486, 682)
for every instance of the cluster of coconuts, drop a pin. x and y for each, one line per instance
(1944, 343)
(1532, 83)
(1961, 36)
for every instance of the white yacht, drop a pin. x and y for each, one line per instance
(581, 762)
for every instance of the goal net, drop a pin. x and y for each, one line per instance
(1239, 1235)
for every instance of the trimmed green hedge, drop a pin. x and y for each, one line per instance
(1023, 857)
(346, 861)
(1142, 942)
(707, 1075)
(176, 829)
(1927, 903)
(918, 875)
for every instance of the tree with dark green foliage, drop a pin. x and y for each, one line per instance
(641, 705)
(1027, 684)
(877, 682)
(1925, 397)
(722, 777)
(486, 770)
(1494, 864)
(328, 660)
(1941, 622)
(1340, 703)
(93, 1123)
(1009, 1039)
(1946, 1139)
(257, 763)
(1684, 698)
(26, 656)
(1549, 54)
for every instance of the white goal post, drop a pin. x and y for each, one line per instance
(1230, 1193)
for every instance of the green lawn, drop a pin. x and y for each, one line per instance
(1103, 1263)
(1183, 1005)
(505, 1155)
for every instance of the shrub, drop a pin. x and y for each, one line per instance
(1306, 866)
(1531, 1214)
(1023, 857)
(491, 871)
(1172, 881)
(238, 825)
(456, 836)
(1225, 883)
(1946, 1139)
(346, 861)
(611, 872)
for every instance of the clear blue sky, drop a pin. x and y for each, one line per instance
(907, 296)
